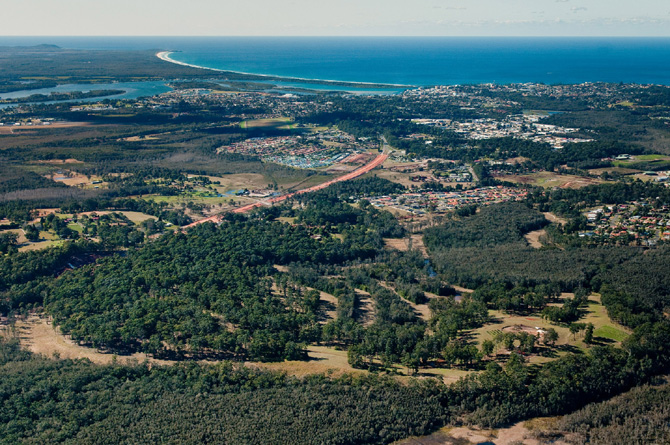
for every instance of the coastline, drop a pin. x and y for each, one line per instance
(165, 56)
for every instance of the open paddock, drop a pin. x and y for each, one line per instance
(75, 179)
(39, 245)
(135, 217)
(322, 360)
(617, 170)
(400, 178)
(21, 237)
(239, 181)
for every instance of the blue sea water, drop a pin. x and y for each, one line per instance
(409, 60)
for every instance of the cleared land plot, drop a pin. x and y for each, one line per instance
(74, 179)
(405, 178)
(555, 219)
(333, 361)
(551, 180)
(533, 238)
(415, 242)
(135, 217)
(240, 181)
(40, 336)
(400, 178)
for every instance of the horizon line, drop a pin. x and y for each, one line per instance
(341, 36)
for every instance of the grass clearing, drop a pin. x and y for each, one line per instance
(308, 182)
(76, 227)
(610, 333)
(533, 238)
(39, 245)
(606, 330)
(40, 336)
(251, 181)
(651, 157)
(138, 217)
(322, 360)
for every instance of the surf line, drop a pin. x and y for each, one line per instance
(165, 56)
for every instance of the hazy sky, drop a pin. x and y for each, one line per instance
(336, 17)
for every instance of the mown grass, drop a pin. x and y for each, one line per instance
(610, 333)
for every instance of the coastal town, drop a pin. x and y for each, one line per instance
(525, 126)
(422, 203)
(320, 148)
(639, 223)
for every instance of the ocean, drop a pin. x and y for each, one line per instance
(417, 61)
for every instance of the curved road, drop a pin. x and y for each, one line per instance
(376, 162)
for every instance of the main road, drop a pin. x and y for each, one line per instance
(376, 162)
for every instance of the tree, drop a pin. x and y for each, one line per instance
(576, 328)
(32, 233)
(588, 335)
(550, 337)
(355, 357)
(411, 361)
(527, 342)
(8, 242)
(487, 347)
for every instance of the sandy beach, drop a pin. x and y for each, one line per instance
(165, 56)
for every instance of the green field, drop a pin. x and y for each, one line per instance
(651, 157)
(76, 227)
(610, 333)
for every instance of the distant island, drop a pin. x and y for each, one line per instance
(69, 96)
